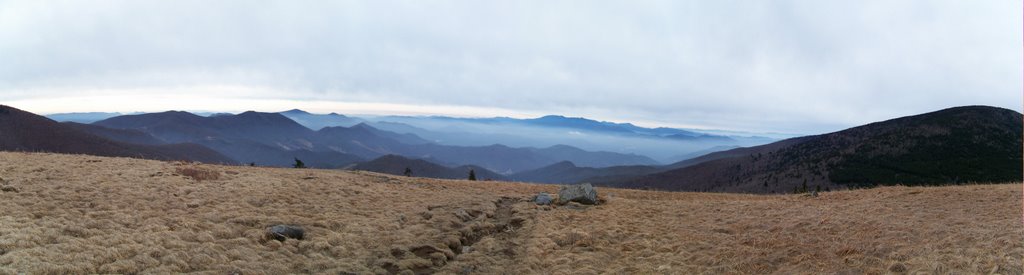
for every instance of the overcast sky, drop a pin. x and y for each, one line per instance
(806, 66)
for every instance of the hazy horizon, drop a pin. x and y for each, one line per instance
(800, 67)
(382, 115)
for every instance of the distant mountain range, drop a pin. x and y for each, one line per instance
(250, 137)
(317, 122)
(952, 146)
(956, 145)
(664, 145)
(274, 139)
(24, 131)
(82, 117)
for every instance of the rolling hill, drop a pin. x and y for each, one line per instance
(24, 131)
(244, 149)
(566, 173)
(268, 139)
(178, 126)
(122, 135)
(951, 146)
(396, 165)
(592, 159)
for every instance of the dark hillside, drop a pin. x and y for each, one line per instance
(951, 146)
(122, 135)
(24, 131)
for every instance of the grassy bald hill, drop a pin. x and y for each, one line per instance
(971, 144)
(76, 214)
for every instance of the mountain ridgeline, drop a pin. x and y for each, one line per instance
(666, 145)
(274, 139)
(951, 146)
(27, 132)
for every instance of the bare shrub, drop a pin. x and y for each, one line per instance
(198, 173)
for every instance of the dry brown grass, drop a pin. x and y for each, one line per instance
(198, 173)
(82, 214)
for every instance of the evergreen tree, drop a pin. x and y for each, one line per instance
(817, 188)
(408, 172)
(803, 189)
(472, 174)
(298, 164)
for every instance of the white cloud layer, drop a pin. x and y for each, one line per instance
(788, 66)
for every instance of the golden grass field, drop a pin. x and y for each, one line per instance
(82, 214)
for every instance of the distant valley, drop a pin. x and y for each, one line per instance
(663, 145)
(503, 145)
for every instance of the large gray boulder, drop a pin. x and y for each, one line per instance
(543, 199)
(581, 193)
(283, 232)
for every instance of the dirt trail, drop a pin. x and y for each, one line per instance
(508, 225)
(472, 239)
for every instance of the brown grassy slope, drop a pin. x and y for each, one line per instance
(83, 214)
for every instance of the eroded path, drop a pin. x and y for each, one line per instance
(474, 239)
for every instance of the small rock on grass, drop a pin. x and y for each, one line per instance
(282, 232)
(8, 188)
(463, 215)
(467, 215)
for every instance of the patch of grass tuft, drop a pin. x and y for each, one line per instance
(198, 173)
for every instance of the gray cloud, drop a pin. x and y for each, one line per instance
(790, 66)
